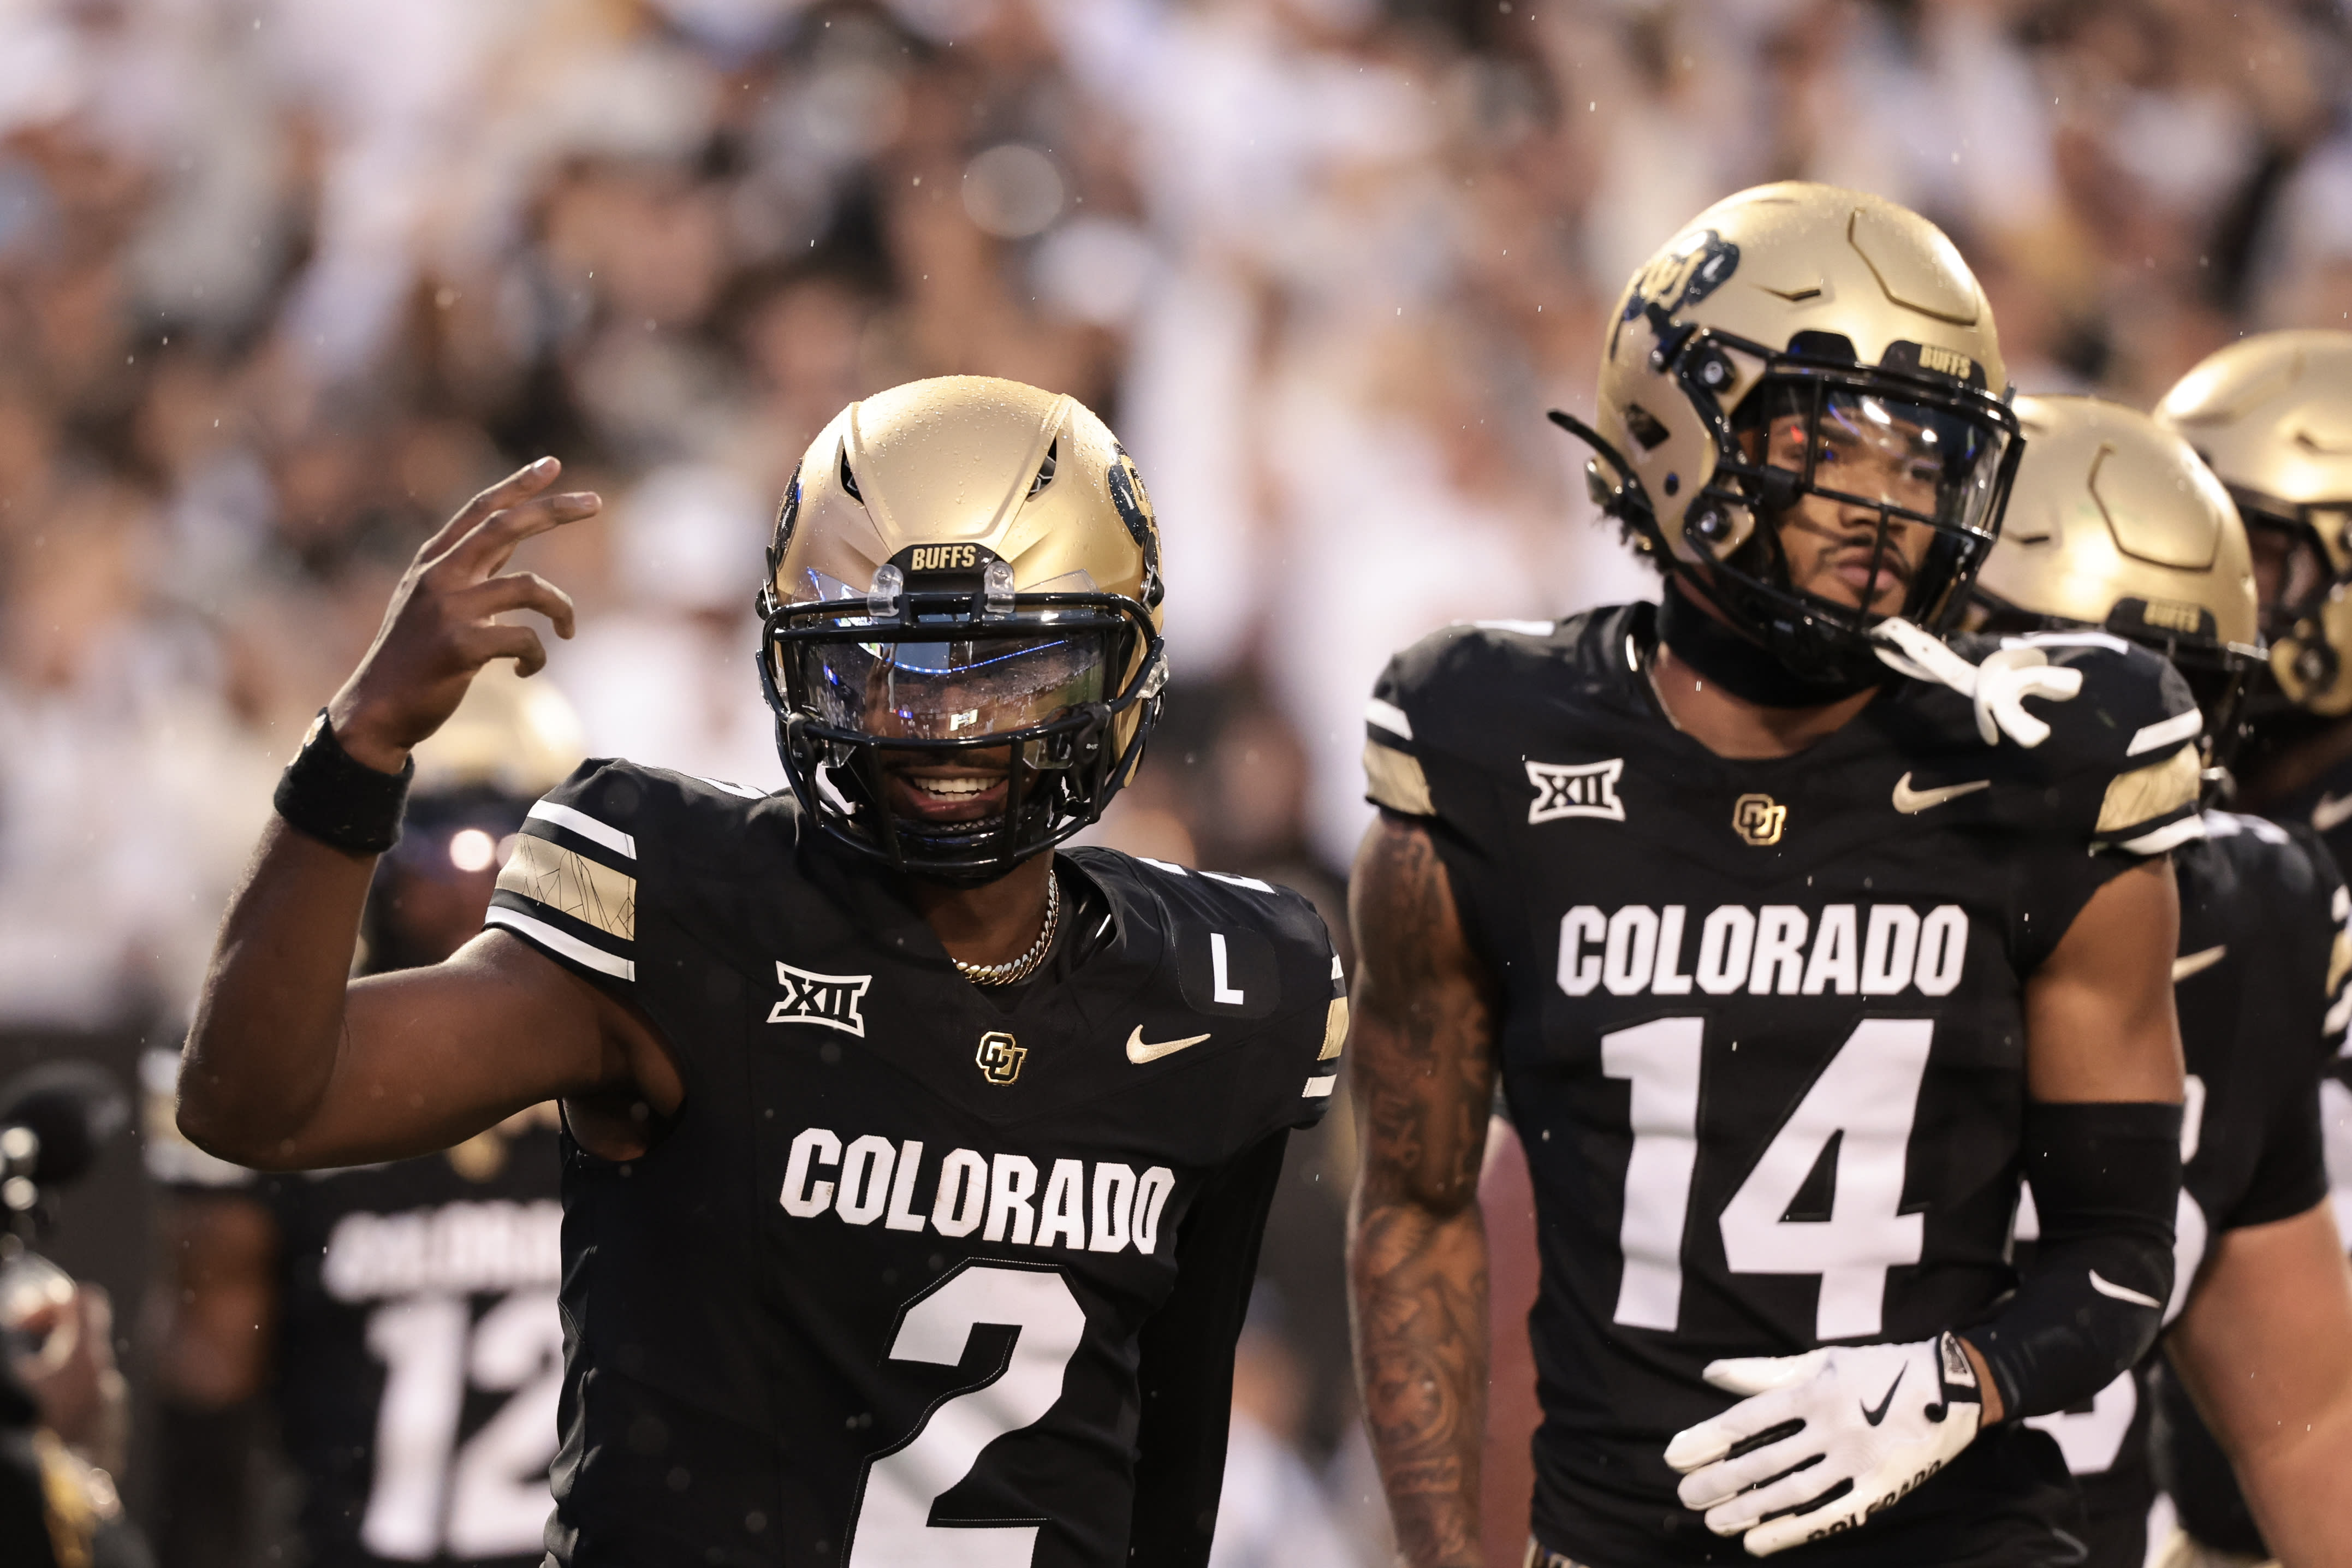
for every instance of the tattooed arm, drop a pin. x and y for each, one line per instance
(1421, 1058)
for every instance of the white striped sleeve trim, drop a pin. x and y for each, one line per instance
(1388, 716)
(585, 825)
(2170, 837)
(1169, 866)
(1317, 1088)
(1250, 882)
(564, 942)
(742, 792)
(2166, 733)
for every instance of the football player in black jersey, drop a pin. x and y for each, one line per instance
(401, 1317)
(1795, 936)
(2272, 414)
(2114, 525)
(915, 1172)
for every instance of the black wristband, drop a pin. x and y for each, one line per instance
(337, 800)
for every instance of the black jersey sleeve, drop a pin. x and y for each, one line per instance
(2291, 1174)
(1260, 955)
(1185, 1372)
(569, 888)
(2121, 765)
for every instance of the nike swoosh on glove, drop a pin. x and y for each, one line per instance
(1866, 1423)
(1998, 687)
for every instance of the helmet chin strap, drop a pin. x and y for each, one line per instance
(1744, 668)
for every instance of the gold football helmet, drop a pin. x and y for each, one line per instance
(2113, 524)
(1799, 340)
(2272, 417)
(963, 641)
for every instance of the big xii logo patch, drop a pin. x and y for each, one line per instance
(1579, 789)
(830, 1000)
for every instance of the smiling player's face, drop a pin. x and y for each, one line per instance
(955, 690)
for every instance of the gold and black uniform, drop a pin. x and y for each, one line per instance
(921, 1272)
(1762, 1033)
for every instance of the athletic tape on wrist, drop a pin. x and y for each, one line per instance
(337, 800)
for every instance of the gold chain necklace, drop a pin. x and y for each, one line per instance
(1014, 970)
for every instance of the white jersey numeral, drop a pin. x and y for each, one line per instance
(893, 1527)
(489, 1499)
(1662, 1058)
(1866, 1098)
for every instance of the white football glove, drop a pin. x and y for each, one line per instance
(1998, 686)
(1881, 1417)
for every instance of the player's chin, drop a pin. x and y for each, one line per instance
(959, 798)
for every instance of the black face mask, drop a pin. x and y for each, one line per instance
(1744, 669)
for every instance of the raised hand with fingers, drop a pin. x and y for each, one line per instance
(1825, 1440)
(442, 626)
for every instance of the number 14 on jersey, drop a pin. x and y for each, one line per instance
(1866, 1098)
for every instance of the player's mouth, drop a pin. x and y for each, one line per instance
(1867, 582)
(946, 795)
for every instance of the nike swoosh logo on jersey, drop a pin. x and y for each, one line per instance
(1875, 1417)
(2116, 1293)
(1911, 802)
(1139, 1050)
(2331, 813)
(2190, 963)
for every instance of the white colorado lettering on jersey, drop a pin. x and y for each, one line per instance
(1079, 1206)
(1776, 950)
(460, 1248)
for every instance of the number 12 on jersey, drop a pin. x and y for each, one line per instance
(1866, 1098)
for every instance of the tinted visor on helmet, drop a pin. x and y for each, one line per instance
(954, 689)
(956, 732)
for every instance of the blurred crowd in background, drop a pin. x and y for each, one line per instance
(282, 281)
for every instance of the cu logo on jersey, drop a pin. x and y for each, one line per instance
(1757, 819)
(830, 1000)
(1580, 789)
(1000, 1056)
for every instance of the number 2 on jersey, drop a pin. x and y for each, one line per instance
(893, 1527)
(1866, 1098)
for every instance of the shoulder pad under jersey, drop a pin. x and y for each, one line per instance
(2120, 769)
(1230, 934)
(1464, 680)
(569, 889)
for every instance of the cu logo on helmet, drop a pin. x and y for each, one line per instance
(1757, 819)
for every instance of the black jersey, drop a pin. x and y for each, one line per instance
(420, 1354)
(2258, 983)
(1762, 1032)
(921, 1273)
(418, 1350)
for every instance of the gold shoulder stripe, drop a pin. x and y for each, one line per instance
(2339, 961)
(1395, 780)
(570, 883)
(1334, 1029)
(2147, 794)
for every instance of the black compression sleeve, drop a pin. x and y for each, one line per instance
(2106, 1180)
(1187, 1366)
